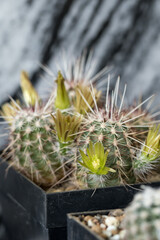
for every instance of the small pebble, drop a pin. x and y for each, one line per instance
(115, 237)
(111, 221)
(102, 225)
(86, 218)
(95, 221)
(111, 228)
(96, 229)
(90, 223)
(107, 233)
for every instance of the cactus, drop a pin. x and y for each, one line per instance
(95, 163)
(149, 156)
(32, 148)
(114, 128)
(81, 70)
(97, 147)
(142, 217)
(81, 101)
(78, 77)
(113, 136)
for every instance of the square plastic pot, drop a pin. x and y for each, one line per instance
(76, 230)
(49, 210)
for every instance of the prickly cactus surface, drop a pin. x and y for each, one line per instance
(33, 148)
(113, 136)
(142, 217)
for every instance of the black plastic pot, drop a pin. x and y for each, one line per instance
(76, 230)
(45, 214)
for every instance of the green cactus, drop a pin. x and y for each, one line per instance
(33, 149)
(95, 164)
(113, 136)
(96, 147)
(114, 128)
(81, 70)
(142, 217)
(149, 156)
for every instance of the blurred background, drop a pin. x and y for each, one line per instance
(124, 34)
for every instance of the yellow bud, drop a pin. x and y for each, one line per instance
(29, 93)
(62, 98)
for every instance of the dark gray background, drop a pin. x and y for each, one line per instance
(123, 33)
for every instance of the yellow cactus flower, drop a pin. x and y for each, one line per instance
(66, 126)
(62, 98)
(84, 99)
(96, 159)
(29, 93)
(151, 150)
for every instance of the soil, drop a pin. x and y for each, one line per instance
(109, 226)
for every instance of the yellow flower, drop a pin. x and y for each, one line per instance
(96, 159)
(29, 93)
(151, 150)
(84, 99)
(66, 126)
(62, 98)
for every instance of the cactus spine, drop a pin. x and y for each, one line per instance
(114, 128)
(142, 217)
(32, 148)
(149, 156)
(100, 146)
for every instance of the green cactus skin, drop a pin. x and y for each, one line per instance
(113, 136)
(148, 158)
(142, 217)
(33, 148)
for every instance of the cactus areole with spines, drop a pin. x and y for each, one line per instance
(142, 217)
(33, 149)
(70, 138)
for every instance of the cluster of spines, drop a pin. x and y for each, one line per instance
(116, 129)
(113, 127)
(114, 137)
(33, 149)
(142, 217)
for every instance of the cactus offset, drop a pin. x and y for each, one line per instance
(149, 156)
(142, 217)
